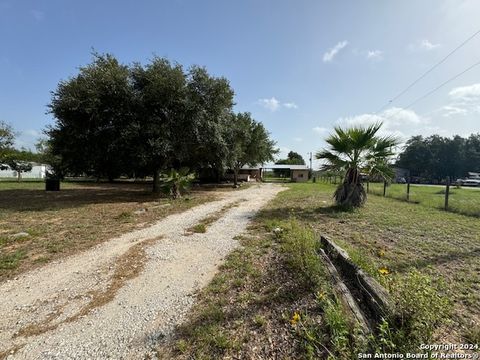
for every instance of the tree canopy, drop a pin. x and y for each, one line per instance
(293, 158)
(249, 143)
(139, 120)
(6, 140)
(436, 157)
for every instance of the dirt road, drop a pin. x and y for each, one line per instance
(118, 299)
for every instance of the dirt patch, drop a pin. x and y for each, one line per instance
(128, 266)
(202, 226)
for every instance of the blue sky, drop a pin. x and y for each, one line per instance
(301, 67)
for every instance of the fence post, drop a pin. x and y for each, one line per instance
(384, 188)
(408, 189)
(447, 192)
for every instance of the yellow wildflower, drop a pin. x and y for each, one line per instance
(295, 318)
(384, 271)
(381, 253)
(321, 295)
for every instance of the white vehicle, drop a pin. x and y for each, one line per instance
(468, 182)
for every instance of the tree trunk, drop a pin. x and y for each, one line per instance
(176, 192)
(350, 192)
(235, 177)
(156, 181)
(19, 176)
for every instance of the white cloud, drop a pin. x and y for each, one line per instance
(464, 100)
(297, 139)
(427, 45)
(38, 15)
(32, 133)
(423, 44)
(331, 53)
(450, 110)
(374, 55)
(271, 104)
(466, 93)
(290, 105)
(27, 138)
(274, 104)
(396, 121)
(320, 130)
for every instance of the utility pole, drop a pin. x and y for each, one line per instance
(310, 153)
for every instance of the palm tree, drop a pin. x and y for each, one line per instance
(174, 183)
(354, 151)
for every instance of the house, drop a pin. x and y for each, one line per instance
(297, 173)
(247, 173)
(39, 171)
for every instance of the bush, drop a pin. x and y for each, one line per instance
(421, 308)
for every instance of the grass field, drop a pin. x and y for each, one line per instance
(401, 237)
(38, 226)
(461, 200)
(259, 299)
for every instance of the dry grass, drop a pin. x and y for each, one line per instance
(76, 218)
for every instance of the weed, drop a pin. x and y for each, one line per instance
(301, 246)
(472, 335)
(181, 346)
(11, 261)
(259, 320)
(199, 228)
(421, 307)
(124, 216)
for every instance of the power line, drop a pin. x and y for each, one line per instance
(434, 89)
(428, 71)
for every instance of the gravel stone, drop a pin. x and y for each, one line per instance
(147, 308)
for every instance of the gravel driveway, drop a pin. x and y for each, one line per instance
(119, 298)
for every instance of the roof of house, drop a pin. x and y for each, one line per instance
(276, 166)
(287, 166)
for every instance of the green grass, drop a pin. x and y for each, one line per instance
(274, 290)
(199, 228)
(401, 236)
(10, 261)
(461, 200)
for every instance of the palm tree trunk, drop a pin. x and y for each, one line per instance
(235, 177)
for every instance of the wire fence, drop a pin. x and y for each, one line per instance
(462, 200)
(450, 197)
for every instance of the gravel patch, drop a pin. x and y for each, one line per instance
(145, 309)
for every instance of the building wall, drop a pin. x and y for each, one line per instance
(299, 175)
(37, 172)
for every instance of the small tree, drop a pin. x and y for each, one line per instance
(293, 158)
(355, 150)
(249, 143)
(19, 167)
(175, 183)
(6, 142)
